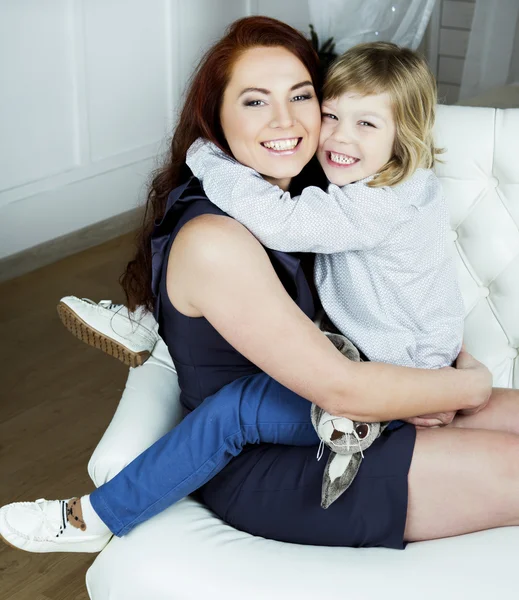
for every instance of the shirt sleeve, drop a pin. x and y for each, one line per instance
(355, 217)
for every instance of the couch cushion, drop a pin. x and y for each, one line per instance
(186, 553)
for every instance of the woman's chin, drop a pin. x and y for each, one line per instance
(287, 172)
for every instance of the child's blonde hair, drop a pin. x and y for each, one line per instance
(378, 67)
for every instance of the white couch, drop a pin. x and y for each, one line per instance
(186, 553)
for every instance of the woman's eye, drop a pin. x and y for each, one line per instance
(254, 103)
(364, 123)
(302, 97)
(329, 116)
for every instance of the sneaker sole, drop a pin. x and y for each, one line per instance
(51, 551)
(90, 336)
(10, 545)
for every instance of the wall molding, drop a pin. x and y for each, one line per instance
(54, 250)
(128, 158)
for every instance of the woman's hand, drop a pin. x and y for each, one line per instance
(434, 420)
(483, 380)
(483, 388)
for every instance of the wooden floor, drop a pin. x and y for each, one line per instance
(57, 395)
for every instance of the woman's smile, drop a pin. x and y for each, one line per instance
(283, 147)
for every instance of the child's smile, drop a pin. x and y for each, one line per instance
(337, 159)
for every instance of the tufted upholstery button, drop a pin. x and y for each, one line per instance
(453, 235)
(493, 182)
(484, 291)
(512, 352)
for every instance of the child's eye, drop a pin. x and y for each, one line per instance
(302, 97)
(254, 103)
(364, 123)
(329, 116)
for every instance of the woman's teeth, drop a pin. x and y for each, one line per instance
(282, 144)
(342, 159)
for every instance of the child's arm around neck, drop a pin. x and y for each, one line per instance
(356, 217)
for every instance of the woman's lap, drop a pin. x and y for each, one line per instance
(274, 491)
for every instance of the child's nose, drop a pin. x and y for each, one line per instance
(344, 134)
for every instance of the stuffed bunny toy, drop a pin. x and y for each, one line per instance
(346, 439)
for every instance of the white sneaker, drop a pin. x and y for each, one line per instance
(40, 526)
(130, 337)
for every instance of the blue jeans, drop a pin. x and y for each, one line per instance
(250, 410)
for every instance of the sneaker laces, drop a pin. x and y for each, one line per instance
(51, 523)
(116, 309)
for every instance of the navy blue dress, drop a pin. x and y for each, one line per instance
(274, 491)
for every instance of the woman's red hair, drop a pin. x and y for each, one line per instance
(200, 117)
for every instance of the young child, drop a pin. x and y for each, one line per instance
(382, 271)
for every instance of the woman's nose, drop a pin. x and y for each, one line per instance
(282, 118)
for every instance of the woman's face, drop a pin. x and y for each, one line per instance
(270, 114)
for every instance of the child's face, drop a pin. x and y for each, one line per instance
(357, 136)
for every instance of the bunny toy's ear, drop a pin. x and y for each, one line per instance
(315, 415)
(344, 346)
(339, 473)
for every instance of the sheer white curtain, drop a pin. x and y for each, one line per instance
(351, 22)
(492, 58)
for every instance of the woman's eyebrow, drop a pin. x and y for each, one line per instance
(267, 92)
(300, 85)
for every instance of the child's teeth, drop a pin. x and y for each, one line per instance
(340, 158)
(281, 144)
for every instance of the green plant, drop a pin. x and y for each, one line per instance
(326, 52)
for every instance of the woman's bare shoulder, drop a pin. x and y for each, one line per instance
(211, 238)
(209, 247)
(210, 224)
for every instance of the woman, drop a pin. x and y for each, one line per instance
(227, 308)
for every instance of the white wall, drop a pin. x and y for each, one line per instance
(293, 12)
(88, 92)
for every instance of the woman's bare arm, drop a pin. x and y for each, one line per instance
(218, 270)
